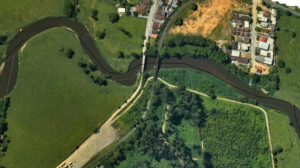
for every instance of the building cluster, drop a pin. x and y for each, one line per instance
(240, 46)
(267, 19)
(264, 50)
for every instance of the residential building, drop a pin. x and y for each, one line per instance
(263, 59)
(235, 17)
(263, 39)
(159, 17)
(140, 9)
(274, 12)
(270, 40)
(264, 46)
(154, 36)
(154, 31)
(121, 10)
(246, 25)
(263, 53)
(267, 14)
(245, 18)
(132, 9)
(156, 25)
(234, 45)
(264, 24)
(243, 61)
(160, 12)
(235, 53)
(258, 71)
(160, 7)
(233, 24)
(262, 18)
(245, 47)
(233, 58)
(247, 40)
(146, 2)
(227, 51)
(268, 32)
(176, 3)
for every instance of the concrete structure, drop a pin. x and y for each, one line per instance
(235, 53)
(247, 24)
(121, 10)
(270, 41)
(264, 46)
(274, 12)
(264, 24)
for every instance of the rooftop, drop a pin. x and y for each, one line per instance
(140, 9)
(243, 60)
(146, 2)
(263, 39)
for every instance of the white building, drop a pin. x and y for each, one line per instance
(233, 24)
(261, 17)
(121, 10)
(245, 47)
(274, 12)
(246, 24)
(264, 46)
(235, 53)
(263, 53)
(264, 24)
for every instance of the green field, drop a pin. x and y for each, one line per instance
(114, 39)
(285, 136)
(289, 53)
(55, 105)
(15, 14)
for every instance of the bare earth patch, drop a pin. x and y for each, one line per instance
(205, 19)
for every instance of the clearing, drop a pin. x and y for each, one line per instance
(55, 106)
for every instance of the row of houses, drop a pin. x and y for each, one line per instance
(265, 50)
(141, 7)
(267, 19)
(241, 30)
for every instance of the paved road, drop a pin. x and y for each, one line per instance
(253, 34)
(276, 5)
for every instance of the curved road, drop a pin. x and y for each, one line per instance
(279, 6)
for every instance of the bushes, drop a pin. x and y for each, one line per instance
(178, 22)
(2, 39)
(258, 8)
(69, 53)
(120, 54)
(277, 150)
(281, 64)
(194, 7)
(135, 14)
(113, 17)
(101, 34)
(70, 9)
(94, 14)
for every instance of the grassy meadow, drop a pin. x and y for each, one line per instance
(114, 40)
(289, 52)
(15, 14)
(55, 105)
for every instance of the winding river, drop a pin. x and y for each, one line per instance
(8, 77)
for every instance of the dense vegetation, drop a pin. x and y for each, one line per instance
(70, 8)
(150, 147)
(4, 105)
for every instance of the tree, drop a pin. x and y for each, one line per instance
(151, 53)
(119, 54)
(288, 13)
(194, 7)
(70, 10)
(86, 71)
(278, 28)
(135, 14)
(94, 14)
(127, 13)
(100, 34)
(288, 70)
(257, 29)
(2, 40)
(178, 21)
(277, 149)
(258, 8)
(293, 34)
(113, 17)
(250, 20)
(268, 6)
(263, 3)
(275, 49)
(69, 53)
(281, 64)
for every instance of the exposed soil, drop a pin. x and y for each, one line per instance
(22, 48)
(165, 118)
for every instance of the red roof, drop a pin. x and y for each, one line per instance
(140, 9)
(259, 70)
(154, 36)
(263, 39)
(156, 25)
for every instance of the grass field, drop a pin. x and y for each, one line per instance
(114, 39)
(55, 105)
(222, 31)
(284, 135)
(289, 53)
(15, 14)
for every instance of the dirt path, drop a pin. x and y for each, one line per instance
(2, 66)
(165, 118)
(266, 115)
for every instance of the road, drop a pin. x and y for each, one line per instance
(149, 23)
(276, 5)
(253, 36)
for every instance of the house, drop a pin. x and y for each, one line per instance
(235, 16)
(154, 36)
(267, 14)
(268, 61)
(227, 51)
(235, 53)
(246, 25)
(245, 47)
(243, 60)
(233, 24)
(168, 2)
(262, 18)
(267, 32)
(244, 18)
(140, 9)
(247, 30)
(146, 2)
(259, 71)
(132, 9)
(264, 24)
(234, 45)
(159, 17)
(274, 22)
(263, 39)
(154, 31)
(274, 12)
(160, 12)
(239, 39)
(156, 25)
(270, 40)
(247, 40)
(263, 53)
(121, 10)
(265, 60)
(176, 3)
(233, 58)
(160, 7)
(264, 46)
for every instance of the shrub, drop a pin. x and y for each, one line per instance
(288, 13)
(178, 22)
(69, 53)
(94, 14)
(258, 8)
(100, 34)
(288, 70)
(135, 14)
(113, 17)
(250, 20)
(281, 64)
(127, 13)
(293, 34)
(194, 7)
(277, 149)
(119, 54)
(263, 3)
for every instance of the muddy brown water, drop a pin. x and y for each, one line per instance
(9, 75)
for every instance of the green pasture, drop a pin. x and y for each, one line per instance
(114, 40)
(15, 14)
(55, 105)
(289, 52)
